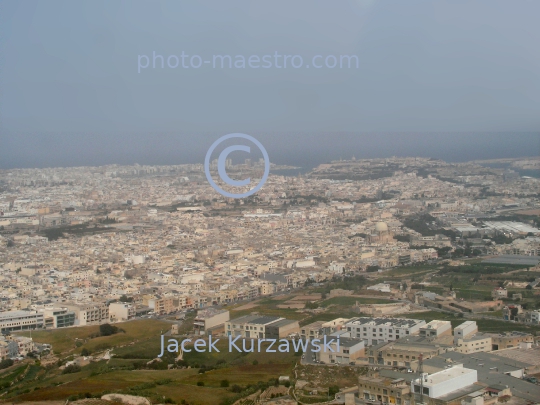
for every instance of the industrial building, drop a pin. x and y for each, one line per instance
(456, 379)
(210, 320)
(348, 351)
(261, 327)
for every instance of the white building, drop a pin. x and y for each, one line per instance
(444, 382)
(466, 329)
(20, 320)
(378, 330)
(436, 328)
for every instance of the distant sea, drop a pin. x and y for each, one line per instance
(303, 149)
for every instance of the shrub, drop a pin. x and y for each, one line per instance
(224, 383)
(200, 383)
(73, 368)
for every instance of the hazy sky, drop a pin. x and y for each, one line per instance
(70, 91)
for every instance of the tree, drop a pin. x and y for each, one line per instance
(107, 329)
(513, 313)
(6, 363)
(85, 352)
(224, 383)
(312, 305)
(372, 269)
(333, 390)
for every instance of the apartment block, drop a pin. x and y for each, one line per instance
(378, 330)
(90, 314)
(121, 311)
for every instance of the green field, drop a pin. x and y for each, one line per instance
(410, 270)
(127, 372)
(64, 340)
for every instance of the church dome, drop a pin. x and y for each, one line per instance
(381, 227)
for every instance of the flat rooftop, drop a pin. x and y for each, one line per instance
(20, 313)
(527, 356)
(395, 322)
(445, 375)
(435, 324)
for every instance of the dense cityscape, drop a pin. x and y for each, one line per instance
(413, 264)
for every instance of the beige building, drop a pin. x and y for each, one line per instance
(499, 293)
(312, 330)
(282, 329)
(405, 352)
(261, 327)
(88, 314)
(348, 351)
(121, 311)
(474, 344)
(210, 319)
(382, 389)
(509, 339)
(167, 305)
